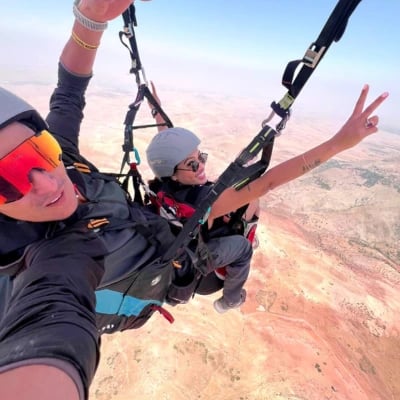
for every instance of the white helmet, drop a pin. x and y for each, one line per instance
(168, 148)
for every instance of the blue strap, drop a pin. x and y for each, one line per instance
(115, 303)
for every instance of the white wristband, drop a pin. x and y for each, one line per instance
(86, 22)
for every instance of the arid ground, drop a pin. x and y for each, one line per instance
(320, 321)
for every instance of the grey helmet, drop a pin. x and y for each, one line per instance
(13, 108)
(168, 148)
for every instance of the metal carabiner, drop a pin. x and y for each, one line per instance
(282, 124)
(266, 120)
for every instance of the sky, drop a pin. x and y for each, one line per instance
(229, 47)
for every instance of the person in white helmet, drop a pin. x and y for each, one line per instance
(179, 167)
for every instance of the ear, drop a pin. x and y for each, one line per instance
(174, 178)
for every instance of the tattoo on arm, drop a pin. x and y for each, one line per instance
(309, 166)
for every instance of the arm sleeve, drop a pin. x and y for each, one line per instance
(51, 312)
(66, 108)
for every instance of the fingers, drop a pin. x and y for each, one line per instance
(375, 104)
(371, 124)
(372, 121)
(361, 100)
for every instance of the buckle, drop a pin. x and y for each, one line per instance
(312, 57)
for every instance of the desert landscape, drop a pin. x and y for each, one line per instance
(320, 320)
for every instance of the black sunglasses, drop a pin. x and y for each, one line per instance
(194, 164)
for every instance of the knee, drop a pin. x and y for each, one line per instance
(247, 252)
(249, 249)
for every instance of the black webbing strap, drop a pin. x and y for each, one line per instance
(128, 147)
(142, 93)
(129, 17)
(237, 175)
(331, 32)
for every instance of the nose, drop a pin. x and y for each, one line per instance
(43, 182)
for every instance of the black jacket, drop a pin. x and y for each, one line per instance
(55, 268)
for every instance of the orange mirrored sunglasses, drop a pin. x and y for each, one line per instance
(41, 151)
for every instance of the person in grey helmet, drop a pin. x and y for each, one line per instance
(179, 165)
(51, 261)
(187, 181)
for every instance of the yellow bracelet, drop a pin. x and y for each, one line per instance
(81, 43)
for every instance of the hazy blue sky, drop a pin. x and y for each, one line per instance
(239, 47)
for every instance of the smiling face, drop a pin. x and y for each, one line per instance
(191, 171)
(51, 196)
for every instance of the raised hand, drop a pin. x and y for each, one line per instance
(103, 10)
(361, 123)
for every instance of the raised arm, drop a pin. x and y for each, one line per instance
(157, 116)
(361, 123)
(75, 69)
(79, 53)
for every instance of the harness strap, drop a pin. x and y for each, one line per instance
(128, 147)
(236, 174)
(137, 181)
(331, 32)
(129, 17)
